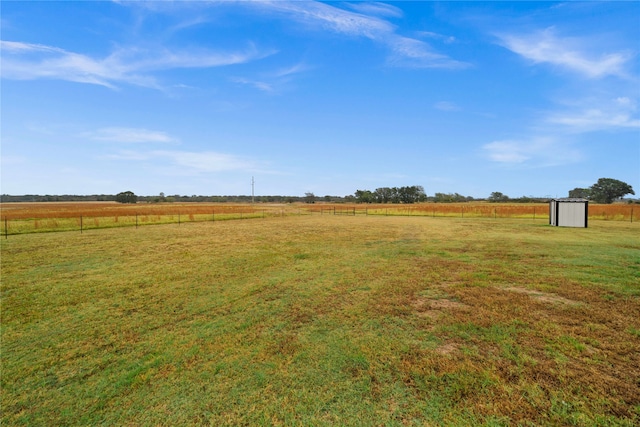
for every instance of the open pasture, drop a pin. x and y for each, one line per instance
(22, 218)
(324, 320)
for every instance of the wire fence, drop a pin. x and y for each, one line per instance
(40, 222)
(82, 223)
(468, 210)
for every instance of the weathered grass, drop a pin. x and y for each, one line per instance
(328, 320)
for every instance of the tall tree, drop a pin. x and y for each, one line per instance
(364, 196)
(580, 193)
(309, 197)
(126, 197)
(606, 190)
(497, 196)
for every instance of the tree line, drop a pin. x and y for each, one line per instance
(410, 194)
(605, 190)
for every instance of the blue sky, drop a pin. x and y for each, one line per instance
(324, 97)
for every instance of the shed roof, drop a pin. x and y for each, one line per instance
(571, 200)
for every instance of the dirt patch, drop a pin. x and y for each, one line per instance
(448, 348)
(427, 307)
(543, 296)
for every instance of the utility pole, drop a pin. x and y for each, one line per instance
(252, 188)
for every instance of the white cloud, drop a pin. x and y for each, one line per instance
(507, 151)
(436, 36)
(26, 61)
(376, 8)
(263, 86)
(595, 119)
(406, 52)
(596, 114)
(534, 152)
(192, 162)
(272, 82)
(289, 71)
(572, 54)
(129, 135)
(129, 155)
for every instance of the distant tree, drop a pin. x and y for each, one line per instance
(412, 194)
(450, 198)
(309, 197)
(364, 196)
(126, 197)
(606, 190)
(497, 196)
(383, 195)
(580, 193)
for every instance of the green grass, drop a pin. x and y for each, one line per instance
(323, 320)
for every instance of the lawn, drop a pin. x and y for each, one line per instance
(323, 320)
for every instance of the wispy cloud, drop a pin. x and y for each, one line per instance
(406, 51)
(272, 82)
(588, 116)
(534, 152)
(377, 9)
(435, 36)
(570, 53)
(446, 106)
(129, 135)
(207, 161)
(260, 85)
(193, 162)
(27, 61)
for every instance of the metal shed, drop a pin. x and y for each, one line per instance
(569, 212)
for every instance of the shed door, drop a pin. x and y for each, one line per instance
(572, 214)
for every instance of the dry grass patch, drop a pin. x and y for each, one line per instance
(542, 296)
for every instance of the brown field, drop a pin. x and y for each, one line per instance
(111, 209)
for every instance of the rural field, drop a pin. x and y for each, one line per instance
(323, 320)
(23, 218)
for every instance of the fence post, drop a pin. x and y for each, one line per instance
(178, 218)
(534, 213)
(213, 215)
(631, 216)
(462, 211)
(136, 220)
(6, 227)
(80, 224)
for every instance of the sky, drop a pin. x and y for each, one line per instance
(199, 98)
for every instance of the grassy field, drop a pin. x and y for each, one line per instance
(323, 320)
(23, 218)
